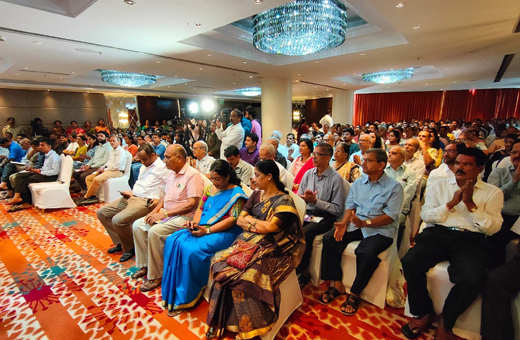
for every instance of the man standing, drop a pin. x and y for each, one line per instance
(48, 173)
(184, 188)
(462, 211)
(203, 161)
(446, 169)
(114, 167)
(246, 124)
(213, 142)
(293, 150)
(372, 217)
(157, 145)
(255, 124)
(99, 159)
(233, 135)
(243, 169)
(322, 189)
(12, 128)
(249, 153)
(117, 217)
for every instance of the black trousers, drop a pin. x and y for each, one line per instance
(501, 239)
(311, 230)
(80, 176)
(469, 258)
(502, 285)
(367, 259)
(9, 169)
(24, 179)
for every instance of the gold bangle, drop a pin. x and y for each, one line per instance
(166, 214)
(249, 227)
(254, 222)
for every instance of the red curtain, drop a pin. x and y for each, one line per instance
(464, 104)
(391, 107)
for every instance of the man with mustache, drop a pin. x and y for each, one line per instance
(461, 212)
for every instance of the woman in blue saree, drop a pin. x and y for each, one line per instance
(188, 252)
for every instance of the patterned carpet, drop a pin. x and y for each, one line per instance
(58, 282)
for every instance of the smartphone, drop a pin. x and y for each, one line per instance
(149, 202)
(196, 228)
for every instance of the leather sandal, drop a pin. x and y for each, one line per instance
(417, 326)
(140, 273)
(329, 295)
(150, 285)
(211, 334)
(352, 301)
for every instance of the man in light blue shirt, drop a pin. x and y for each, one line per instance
(157, 145)
(372, 217)
(47, 173)
(99, 159)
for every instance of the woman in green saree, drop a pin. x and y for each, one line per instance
(245, 295)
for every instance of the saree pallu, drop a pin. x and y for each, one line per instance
(247, 301)
(187, 257)
(306, 167)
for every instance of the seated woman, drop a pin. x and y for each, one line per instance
(349, 171)
(188, 252)
(245, 296)
(303, 163)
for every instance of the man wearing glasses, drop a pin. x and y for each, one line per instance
(322, 189)
(447, 168)
(366, 141)
(202, 161)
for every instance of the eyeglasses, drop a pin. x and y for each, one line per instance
(317, 154)
(366, 160)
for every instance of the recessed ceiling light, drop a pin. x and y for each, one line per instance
(48, 89)
(158, 62)
(37, 42)
(129, 2)
(244, 62)
(25, 68)
(17, 74)
(176, 76)
(201, 69)
(185, 83)
(454, 82)
(316, 62)
(344, 84)
(73, 73)
(425, 84)
(198, 24)
(416, 27)
(209, 54)
(362, 54)
(250, 76)
(299, 74)
(61, 77)
(314, 93)
(399, 5)
(169, 86)
(327, 89)
(233, 83)
(258, 2)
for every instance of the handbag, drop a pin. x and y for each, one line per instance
(242, 254)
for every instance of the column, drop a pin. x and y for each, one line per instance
(343, 106)
(276, 106)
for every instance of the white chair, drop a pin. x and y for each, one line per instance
(288, 166)
(317, 246)
(247, 190)
(207, 181)
(54, 195)
(468, 324)
(109, 190)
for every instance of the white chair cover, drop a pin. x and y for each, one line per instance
(109, 190)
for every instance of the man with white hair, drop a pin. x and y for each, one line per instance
(266, 152)
(366, 142)
(281, 149)
(275, 142)
(203, 161)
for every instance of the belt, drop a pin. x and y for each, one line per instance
(459, 229)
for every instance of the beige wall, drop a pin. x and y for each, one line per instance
(25, 105)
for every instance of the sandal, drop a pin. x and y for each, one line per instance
(150, 285)
(140, 273)
(416, 326)
(352, 301)
(211, 334)
(18, 207)
(303, 280)
(330, 295)
(175, 312)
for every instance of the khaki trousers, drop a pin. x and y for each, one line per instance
(149, 244)
(117, 218)
(94, 181)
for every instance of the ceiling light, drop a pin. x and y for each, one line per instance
(299, 74)
(25, 68)
(129, 2)
(250, 76)
(209, 54)
(37, 42)
(169, 86)
(258, 2)
(193, 108)
(249, 91)
(198, 24)
(362, 54)
(301, 27)
(73, 73)
(416, 27)
(17, 74)
(200, 69)
(158, 62)
(387, 77)
(399, 5)
(316, 62)
(208, 105)
(244, 62)
(127, 79)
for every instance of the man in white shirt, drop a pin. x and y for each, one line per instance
(447, 168)
(113, 168)
(47, 173)
(462, 212)
(293, 150)
(203, 161)
(99, 159)
(117, 217)
(73, 145)
(411, 147)
(233, 135)
(266, 152)
(243, 169)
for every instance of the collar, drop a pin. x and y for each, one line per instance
(184, 169)
(382, 180)
(250, 153)
(204, 158)
(325, 173)
(402, 166)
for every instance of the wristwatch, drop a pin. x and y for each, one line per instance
(368, 222)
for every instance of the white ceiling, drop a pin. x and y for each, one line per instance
(459, 45)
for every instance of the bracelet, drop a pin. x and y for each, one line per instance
(254, 222)
(208, 230)
(249, 225)
(166, 214)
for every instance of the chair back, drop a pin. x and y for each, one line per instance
(65, 169)
(128, 166)
(247, 190)
(300, 204)
(288, 164)
(206, 180)
(346, 187)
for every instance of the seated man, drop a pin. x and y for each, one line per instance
(267, 151)
(446, 169)
(203, 161)
(11, 168)
(275, 142)
(184, 188)
(117, 217)
(462, 211)
(48, 173)
(372, 217)
(114, 167)
(366, 142)
(100, 158)
(249, 153)
(506, 179)
(243, 169)
(502, 285)
(323, 191)
(136, 163)
(15, 152)
(411, 160)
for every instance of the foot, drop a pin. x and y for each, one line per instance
(127, 255)
(18, 207)
(303, 279)
(330, 295)
(90, 200)
(15, 201)
(115, 249)
(416, 326)
(150, 285)
(175, 312)
(351, 306)
(441, 333)
(140, 273)
(211, 334)
(3, 186)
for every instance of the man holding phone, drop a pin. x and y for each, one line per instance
(118, 216)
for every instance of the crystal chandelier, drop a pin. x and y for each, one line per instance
(249, 91)
(387, 77)
(127, 79)
(301, 27)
